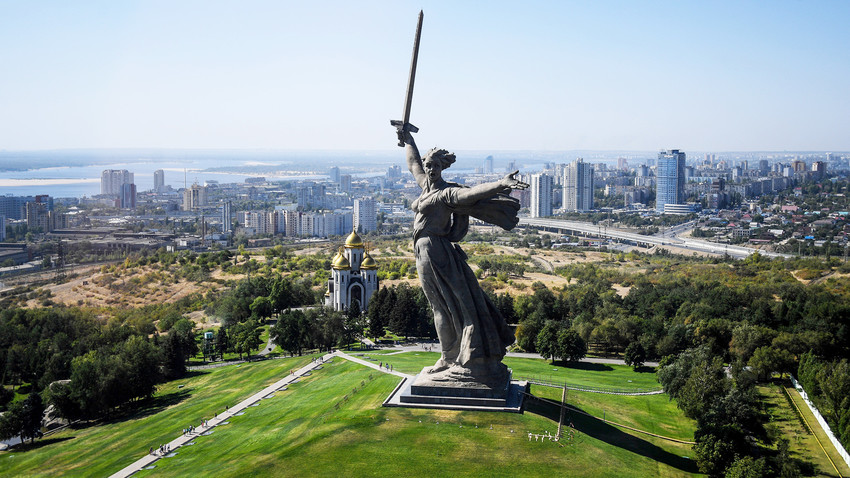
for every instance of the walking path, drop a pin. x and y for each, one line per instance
(173, 445)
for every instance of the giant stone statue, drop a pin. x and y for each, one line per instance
(473, 335)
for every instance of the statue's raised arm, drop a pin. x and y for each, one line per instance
(414, 160)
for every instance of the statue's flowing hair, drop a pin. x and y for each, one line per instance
(442, 156)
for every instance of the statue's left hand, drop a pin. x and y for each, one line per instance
(510, 181)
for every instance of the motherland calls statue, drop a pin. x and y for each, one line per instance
(473, 334)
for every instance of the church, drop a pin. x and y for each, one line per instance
(354, 276)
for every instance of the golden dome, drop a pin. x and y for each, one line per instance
(353, 240)
(340, 262)
(368, 263)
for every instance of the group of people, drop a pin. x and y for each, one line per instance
(386, 366)
(162, 450)
(191, 429)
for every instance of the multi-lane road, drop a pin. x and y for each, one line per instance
(669, 237)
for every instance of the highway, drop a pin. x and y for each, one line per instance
(668, 238)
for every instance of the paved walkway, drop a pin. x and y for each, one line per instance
(175, 444)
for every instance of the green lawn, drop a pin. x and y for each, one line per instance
(332, 422)
(103, 449)
(313, 430)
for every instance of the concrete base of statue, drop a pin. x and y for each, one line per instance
(458, 389)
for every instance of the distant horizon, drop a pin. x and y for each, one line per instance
(130, 149)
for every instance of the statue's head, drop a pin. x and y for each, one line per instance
(443, 157)
(435, 161)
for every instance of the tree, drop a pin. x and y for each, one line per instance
(290, 332)
(635, 355)
(749, 467)
(223, 341)
(32, 414)
(547, 340)
(245, 337)
(767, 359)
(571, 346)
(714, 455)
(12, 422)
(261, 308)
(353, 325)
(377, 318)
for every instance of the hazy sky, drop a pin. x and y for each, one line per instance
(494, 75)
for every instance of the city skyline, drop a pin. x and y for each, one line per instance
(542, 76)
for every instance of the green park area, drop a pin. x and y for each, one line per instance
(332, 421)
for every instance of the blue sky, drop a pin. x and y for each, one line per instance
(498, 75)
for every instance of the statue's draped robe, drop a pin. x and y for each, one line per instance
(468, 324)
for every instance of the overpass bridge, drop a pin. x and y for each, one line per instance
(587, 229)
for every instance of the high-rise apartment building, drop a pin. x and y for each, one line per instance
(541, 195)
(333, 174)
(488, 165)
(394, 172)
(578, 186)
(194, 197)
(670, 178)
(365, 215)
(111, 181)
(37, 217)
(128, 196)
(345, 183)
(226, 216)
(158, 180)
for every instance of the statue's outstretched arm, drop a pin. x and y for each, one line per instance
(468, 196)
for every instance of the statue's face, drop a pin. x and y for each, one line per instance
(432, 169)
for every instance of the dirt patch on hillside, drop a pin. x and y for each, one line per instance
(135, 288)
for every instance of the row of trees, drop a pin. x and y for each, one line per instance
(403, 310)
(827, 383)
(558, 341)
(321, 328)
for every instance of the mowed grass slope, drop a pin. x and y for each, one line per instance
(332, 424)
(104, 448)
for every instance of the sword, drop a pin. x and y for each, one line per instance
(404, 125)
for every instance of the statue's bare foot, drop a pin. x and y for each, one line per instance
(440, 366)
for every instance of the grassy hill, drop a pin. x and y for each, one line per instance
(332, 422)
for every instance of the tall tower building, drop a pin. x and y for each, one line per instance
(37, 217)
(488, 165)
(128, 196)
(158, 180)
(578, 186)
(345, 183)
(365, 215)
(541, 195)
(670, 178)
(194, 197)
(226, 217)
(333, 174)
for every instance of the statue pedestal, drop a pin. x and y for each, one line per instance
(423, 392)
